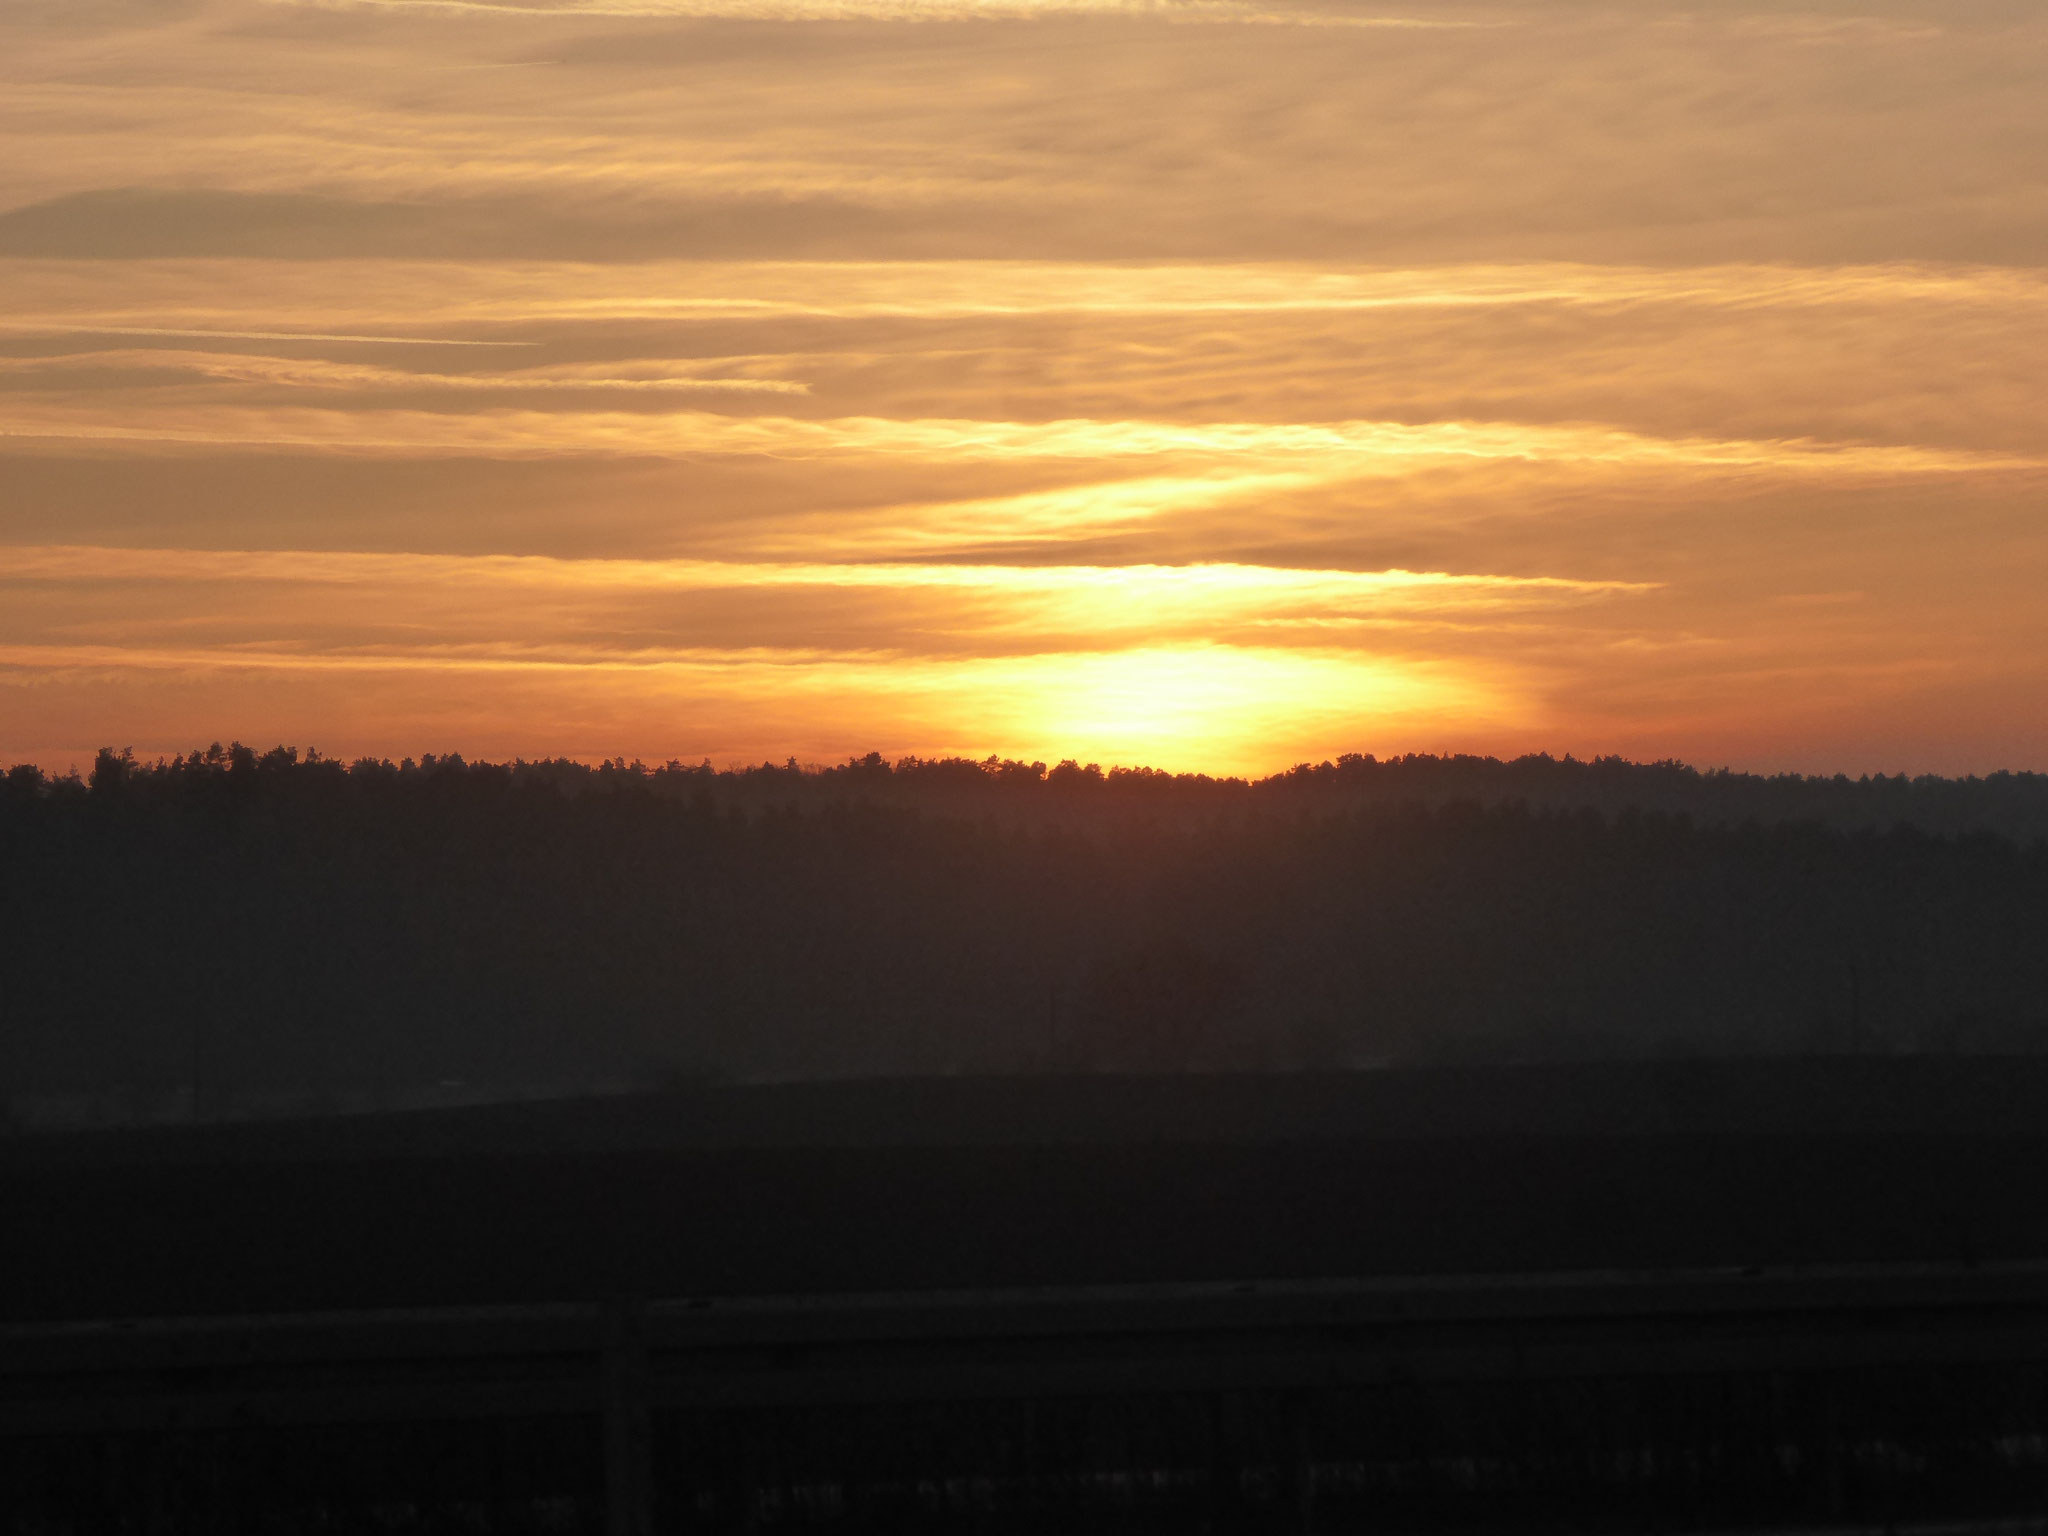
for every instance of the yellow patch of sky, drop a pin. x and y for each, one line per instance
(1198, 706)
(347, 599)
(1136, 676)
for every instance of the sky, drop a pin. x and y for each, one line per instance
(1210, 384)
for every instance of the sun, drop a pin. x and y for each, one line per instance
(1213, 708)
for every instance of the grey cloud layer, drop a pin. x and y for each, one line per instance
(1568, 132)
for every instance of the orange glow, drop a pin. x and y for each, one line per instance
(1212, 383)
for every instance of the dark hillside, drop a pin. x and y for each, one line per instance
(271, 934)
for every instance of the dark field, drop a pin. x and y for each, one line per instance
(1022, 1182)
(1002, 1161)
(1628, 1296)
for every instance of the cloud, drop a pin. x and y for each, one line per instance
(299, 336)
(1106, 355)
(875, 628)
(1577, 131)
(1126, 602)
(1178, 11)
(1162, 664)
(66, 369)
(1882, 354)
(365, 295)
(139, 223)
(1345, 447)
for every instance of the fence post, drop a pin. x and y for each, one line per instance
(628, 1431)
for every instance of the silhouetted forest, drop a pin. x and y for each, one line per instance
(238, 925)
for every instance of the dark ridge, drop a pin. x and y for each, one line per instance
(227, 935)
(2009, 805)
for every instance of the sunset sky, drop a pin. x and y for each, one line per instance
(1206, 383)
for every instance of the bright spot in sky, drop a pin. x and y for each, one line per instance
(1219, 708)
(1212, 384)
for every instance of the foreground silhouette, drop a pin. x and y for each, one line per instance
(1764, 1295)
(1702, 1183)
(230, 931)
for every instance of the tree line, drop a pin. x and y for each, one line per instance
(229, 923)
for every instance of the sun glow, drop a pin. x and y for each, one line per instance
(1218, 708)
(1201, 706)
(600, 376)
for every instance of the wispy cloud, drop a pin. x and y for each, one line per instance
(226, 335)
(1346, 447)
(59, 297)
(319, 373)
(507, 610)
(1153, 663)
(1093, 508)
(1305, 377)
(1105, 591)
(1212, 11)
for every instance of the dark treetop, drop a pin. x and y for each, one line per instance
(269, 929)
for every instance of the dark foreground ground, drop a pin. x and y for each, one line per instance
(1673, 1296)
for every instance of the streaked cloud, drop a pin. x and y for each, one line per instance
(95, 563)
(336, 600)
(1358, 445)
(1127, 663)
(59, 296)
(321, 373)
(1212, 11)
(298, 336)
(748, 377)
